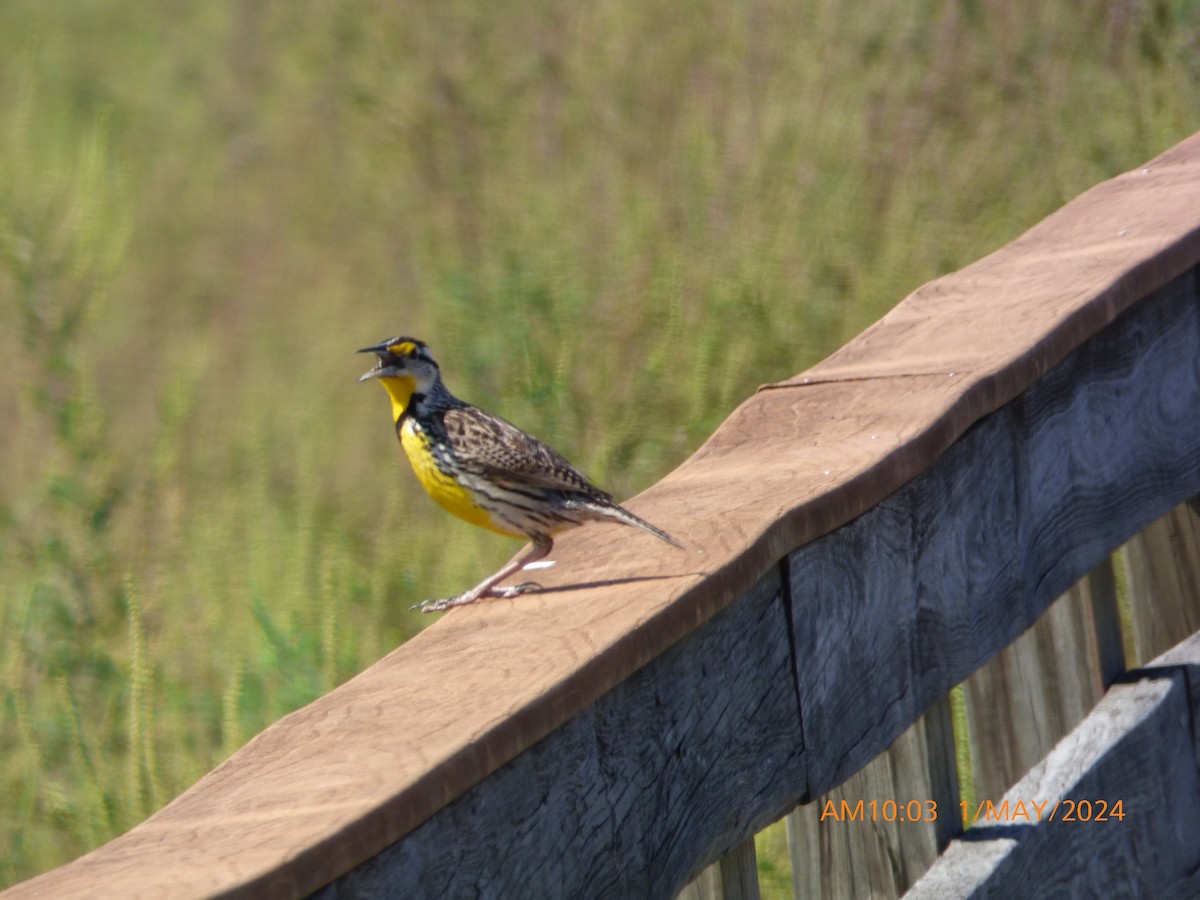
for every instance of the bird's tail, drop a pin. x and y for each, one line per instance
(625, 517)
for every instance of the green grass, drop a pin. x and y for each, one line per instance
(611, 221)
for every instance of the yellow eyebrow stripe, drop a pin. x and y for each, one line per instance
(405, 348)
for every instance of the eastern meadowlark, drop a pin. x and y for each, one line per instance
(484, 469)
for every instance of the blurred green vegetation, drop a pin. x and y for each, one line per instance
(610, 220)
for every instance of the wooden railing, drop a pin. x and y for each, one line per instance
(864, 537)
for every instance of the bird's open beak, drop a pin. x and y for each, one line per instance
(381, 368)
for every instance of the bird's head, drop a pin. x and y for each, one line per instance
(404, 368)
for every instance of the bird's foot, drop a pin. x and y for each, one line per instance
(508, 591)
(466, 598)
(428, 606)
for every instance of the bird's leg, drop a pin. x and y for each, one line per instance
(489, 586)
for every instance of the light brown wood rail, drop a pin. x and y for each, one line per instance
(864, 536)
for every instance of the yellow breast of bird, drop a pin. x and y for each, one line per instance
(444, 489)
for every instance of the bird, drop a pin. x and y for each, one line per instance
(486, 470)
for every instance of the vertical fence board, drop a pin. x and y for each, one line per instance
(858, 853)
(804, 850)
(915, 842)
(1106, 624)
(942, 770)
(739, 872)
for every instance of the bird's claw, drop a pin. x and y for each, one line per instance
(428, 606)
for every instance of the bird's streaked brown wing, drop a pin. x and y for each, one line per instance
(491, 447)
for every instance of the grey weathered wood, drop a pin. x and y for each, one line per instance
(1163, 567)
(1138, 746)
(739, 872)
(916, 842)
(804, 850)
(860, 857)
(667, 772)
(893, 609)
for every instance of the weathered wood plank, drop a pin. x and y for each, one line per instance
(739, 872)
(942, 770)
(909, 761)
(691, 755)
(804, 850)
(876, 832)
(1138, 746)
(857, 848)
(895, 608)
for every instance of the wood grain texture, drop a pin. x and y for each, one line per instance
(739, 872)
(670, 770)
(804, 850)
(1139, 746)
(1080, 414)
(333, 784)
(861, 858)
(941, 762)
